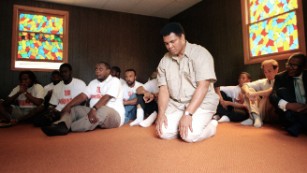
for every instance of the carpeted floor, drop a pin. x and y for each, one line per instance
(235, 148)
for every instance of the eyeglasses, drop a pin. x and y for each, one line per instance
(293, 66)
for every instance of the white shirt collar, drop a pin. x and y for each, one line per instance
(299, 77)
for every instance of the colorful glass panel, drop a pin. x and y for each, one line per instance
(274, 35)
(40, 23)
(262, 9)
(38, 46)
(40, 37)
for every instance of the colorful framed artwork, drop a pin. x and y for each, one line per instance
(40, 38)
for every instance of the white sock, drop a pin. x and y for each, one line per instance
(139, 117)
(224, 119)
(258, 121)
(149, 120)
(247, 122)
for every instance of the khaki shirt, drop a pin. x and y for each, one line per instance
(180, 76)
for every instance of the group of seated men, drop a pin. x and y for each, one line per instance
(109, 101)
(277, 98)
(115, 101)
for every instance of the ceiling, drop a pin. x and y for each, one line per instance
(157, 8)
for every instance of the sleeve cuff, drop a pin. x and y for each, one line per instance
(282, 104)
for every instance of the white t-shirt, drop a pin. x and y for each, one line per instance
(111, 86)
(62, 94)
(128, 91)
(151, 86)
(122, 81)
(49, 88)
(232, 91)
(36, 91)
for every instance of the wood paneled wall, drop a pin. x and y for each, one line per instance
(217, 25)
(129, 40)
(125, 40)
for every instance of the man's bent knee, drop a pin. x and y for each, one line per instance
(191, 137)
(168, 135)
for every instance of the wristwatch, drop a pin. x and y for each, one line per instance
(95, 108)
(188, 113)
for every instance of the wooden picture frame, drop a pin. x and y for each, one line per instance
(39, 38)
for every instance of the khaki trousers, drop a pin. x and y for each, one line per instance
(262, 107)
(78, 120)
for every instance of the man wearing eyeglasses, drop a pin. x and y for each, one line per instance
(289, 95)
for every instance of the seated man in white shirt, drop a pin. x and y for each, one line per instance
(55, 79)
(62, 94)
(130, 98)
(231, 107)
(24, 101)
(115, 72)
(106, 106)
(147, 98)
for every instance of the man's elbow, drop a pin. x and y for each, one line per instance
(82, 96)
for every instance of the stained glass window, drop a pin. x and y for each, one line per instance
(41, 38)
(272, 29)
(274, 35)
(263, 9)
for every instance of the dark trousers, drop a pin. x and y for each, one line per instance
(290, 118)
(147, 107)
(235, 115)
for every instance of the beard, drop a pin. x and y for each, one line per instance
(130, 83)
